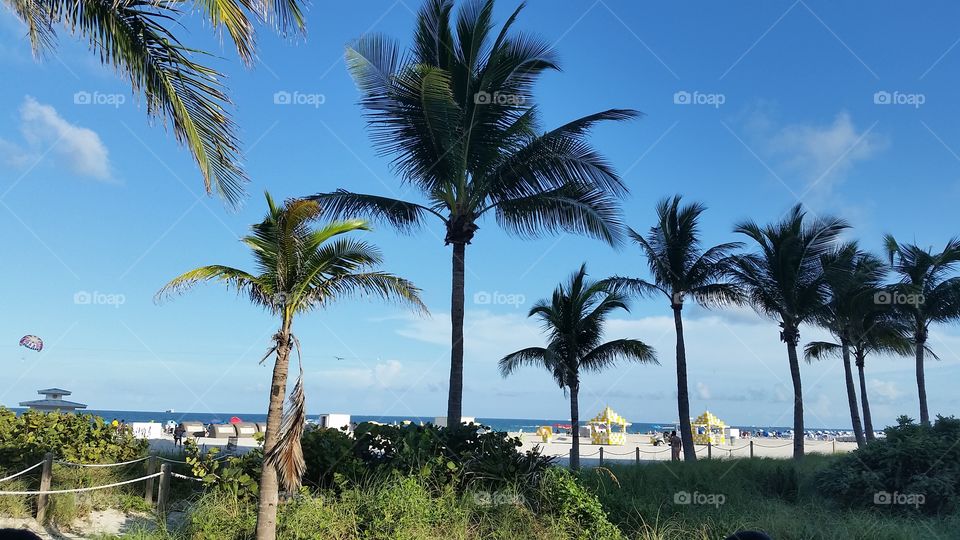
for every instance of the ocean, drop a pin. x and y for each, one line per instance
(527, 425)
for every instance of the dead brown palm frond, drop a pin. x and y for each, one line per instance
(287, 454)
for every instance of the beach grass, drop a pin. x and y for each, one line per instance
(711, 499)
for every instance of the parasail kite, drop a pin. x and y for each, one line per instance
(31, 342)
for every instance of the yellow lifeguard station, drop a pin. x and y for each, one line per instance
(601, 428)
(707, 428)
(545, 433)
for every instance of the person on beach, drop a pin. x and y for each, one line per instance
(178, 435)
(675, 445)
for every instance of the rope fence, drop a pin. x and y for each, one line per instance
(81, 490)
(150, 479)
(101, 465)
(25, 471)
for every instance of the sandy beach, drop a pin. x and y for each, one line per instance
(559, 446)
(770, 447)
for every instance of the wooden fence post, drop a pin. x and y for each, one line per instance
(709, 449)
(151, 469)
(46, 478)
(751, 449)
(834, 446)
(638, 454)
(164, 491)
(601, 456)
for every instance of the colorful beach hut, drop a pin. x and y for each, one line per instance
(707, 428)
(602, 427)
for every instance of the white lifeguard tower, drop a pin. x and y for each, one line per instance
(53, 402)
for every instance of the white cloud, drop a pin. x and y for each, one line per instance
(48, 135)
(817, 157)
(383, 375)
(703, 391)
(883, 391)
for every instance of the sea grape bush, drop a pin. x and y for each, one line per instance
(462, 456)
(234, 475)
(914, 469)
(79, 438)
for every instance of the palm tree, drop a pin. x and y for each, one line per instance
(926, 293)
(457, 115)
(853, 279)
(681, 270)
(298, 268)
(574, 320)
(136, 38)
(880, 331)
(784, 280)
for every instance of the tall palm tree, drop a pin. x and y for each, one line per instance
(458, 116)
(880, 331)
(574, 319)
(298, 268)
(681, 269)
(926, 293)
(853, 279)
(136, 38)
(784, 280)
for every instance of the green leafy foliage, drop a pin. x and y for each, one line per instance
(236, 475)
(459, 456)
(914, 469)
(79, 438)
(575, 507)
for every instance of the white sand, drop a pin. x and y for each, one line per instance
(590, 453)
(164, 445)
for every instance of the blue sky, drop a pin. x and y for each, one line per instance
(748, 109)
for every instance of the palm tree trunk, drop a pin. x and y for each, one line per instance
(455, 392)
(269, 486)
(852, 395)
(921, 384)
(575, 427)
(864, 403)
(683, 397)
(791, 337)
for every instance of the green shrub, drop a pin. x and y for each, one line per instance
(80, 438)
(218, 516)
(462, 456)
(913, 469)
(236, 475)
(576, 508)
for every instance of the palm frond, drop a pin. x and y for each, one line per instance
(342, 204)
(133, 37)
(232, 277)
(607, 354)
(818, 350)
(633, 286)
(287, 454)
(571, 208)
(531, 356)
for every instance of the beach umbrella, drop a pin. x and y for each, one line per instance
(31, 342)
(235, 420)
